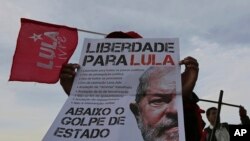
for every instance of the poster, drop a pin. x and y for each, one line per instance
(125, 90)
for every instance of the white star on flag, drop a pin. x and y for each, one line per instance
(36, 37)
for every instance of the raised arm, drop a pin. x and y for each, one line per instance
(189, 76)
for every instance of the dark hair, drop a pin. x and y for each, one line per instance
(120, 34)
(209, 110)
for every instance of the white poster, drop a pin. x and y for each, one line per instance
(125, 90)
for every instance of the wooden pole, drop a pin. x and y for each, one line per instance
(217, 123)
(92, 32)
(233, 105)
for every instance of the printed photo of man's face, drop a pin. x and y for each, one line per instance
(155, 109)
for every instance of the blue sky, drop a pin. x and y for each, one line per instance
(215, 32)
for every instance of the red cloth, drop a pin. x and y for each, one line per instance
(41, 50)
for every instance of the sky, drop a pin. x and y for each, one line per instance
(215, 32)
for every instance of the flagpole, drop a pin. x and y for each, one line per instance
(92, 32)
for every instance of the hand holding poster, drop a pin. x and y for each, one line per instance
(126, 89)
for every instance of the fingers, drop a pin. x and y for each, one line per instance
(242, 111)
(190, 62)
(69, 70)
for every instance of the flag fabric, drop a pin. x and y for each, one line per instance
(41, 50)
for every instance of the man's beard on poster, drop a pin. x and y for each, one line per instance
(158, 133)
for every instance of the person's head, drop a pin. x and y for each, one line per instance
(120, 34)
(155, 107)
(211, 114)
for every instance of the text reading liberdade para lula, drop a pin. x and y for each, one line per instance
(106, 53)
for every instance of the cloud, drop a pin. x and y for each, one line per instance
(233, 32)
(222, 68)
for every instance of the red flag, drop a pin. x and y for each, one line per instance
(41, 50)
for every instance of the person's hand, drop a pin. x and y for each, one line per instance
(189, 76)
(67, 76)
(242, 111)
